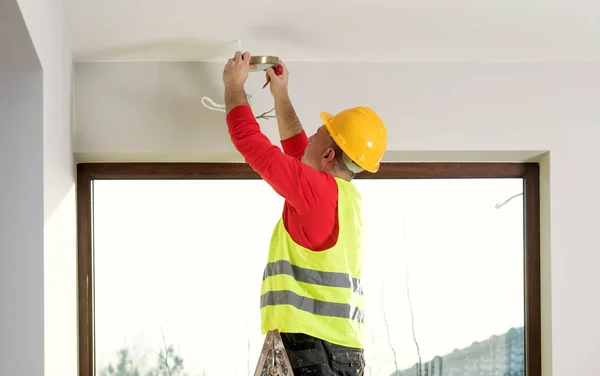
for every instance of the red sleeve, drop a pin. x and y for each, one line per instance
(301, 185)
(295, 146)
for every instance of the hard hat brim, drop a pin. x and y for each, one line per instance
(326, 117)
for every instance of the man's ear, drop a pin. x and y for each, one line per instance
(329, 155)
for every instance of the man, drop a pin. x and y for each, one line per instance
(311, 287)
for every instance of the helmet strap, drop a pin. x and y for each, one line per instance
(351, 165)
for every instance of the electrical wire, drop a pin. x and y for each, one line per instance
(212, 105)
(499, 205)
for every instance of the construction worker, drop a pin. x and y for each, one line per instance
(311, 288)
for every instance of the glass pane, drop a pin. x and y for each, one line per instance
(178, 267)
(442, 247)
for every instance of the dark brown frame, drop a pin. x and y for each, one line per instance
(87, 172)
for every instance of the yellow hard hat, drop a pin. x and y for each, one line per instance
(360, 133)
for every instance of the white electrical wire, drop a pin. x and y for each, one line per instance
(221, 107)
(213, 106)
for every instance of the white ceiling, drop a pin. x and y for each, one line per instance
(336, 30)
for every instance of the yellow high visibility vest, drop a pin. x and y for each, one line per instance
(318, 293)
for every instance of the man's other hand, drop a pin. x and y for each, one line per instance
(236, 70)
(279, 84)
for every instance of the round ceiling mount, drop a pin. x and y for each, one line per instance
(264, 62)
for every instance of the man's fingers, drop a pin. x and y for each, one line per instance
(238, 56)
(270, 73)
(246, 56)
(284, 69)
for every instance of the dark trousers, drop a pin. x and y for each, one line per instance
(310, 356)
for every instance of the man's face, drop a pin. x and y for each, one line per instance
(319, 153)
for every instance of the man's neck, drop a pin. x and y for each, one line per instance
(340, 175)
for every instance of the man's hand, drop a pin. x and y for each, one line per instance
(236, 70)
(279, 84)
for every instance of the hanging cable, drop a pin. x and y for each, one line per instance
(498, 206)
(212, 105)
(410, 305)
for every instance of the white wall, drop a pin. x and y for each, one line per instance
(149, 110)
(16, 48)
(47, 30)
(21, 224)
(21, 199)
(434, 111)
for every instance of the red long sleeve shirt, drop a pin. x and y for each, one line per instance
(310, 208)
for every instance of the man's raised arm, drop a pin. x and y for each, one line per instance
(292, 135)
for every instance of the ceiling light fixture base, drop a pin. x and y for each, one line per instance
(264, 62)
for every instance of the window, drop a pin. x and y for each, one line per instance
(178, 250)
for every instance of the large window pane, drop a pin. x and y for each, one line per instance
(178, 266)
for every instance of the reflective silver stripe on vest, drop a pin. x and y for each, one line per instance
(313, 306)
(315, 277)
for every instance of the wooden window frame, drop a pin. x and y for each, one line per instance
(529, 172)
